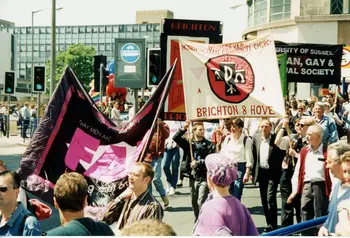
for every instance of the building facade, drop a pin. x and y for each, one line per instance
(155, 16)
(101, 37)
(300, 21)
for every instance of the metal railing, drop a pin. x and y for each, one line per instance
(297, 228)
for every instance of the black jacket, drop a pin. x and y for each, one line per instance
(275, 157)
(200, 150)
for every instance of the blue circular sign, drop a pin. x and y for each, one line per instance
(130, 53)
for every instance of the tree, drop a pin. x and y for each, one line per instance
(80, 59)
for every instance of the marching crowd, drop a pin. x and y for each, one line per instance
(302, 154)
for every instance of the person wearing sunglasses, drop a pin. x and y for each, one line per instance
(297, 142)
(298, 115)
(15, 220)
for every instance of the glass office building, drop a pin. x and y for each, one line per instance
(101, 37)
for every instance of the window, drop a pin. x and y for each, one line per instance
(279, 10)
(23, 30)
(128, 28)
(101, 29)
(156, 27)
(42, 30)
(75, 30)
(102, 47)
(250, 15)
(29, 48)
(68, 29)
(62, 30)
(88, 29)
(42, 48)
(36, 30)
(48, 47)
(115, 28)
(94, 29)
(143, 27)
(22, 65)
(81, 29)
(121, 28)
(23, 48)
(149, 27)
(260, 12)
(108, 29)
(28, 29)
(21, 85)
(135, 28)
(48, 30)
(336, 6)
(108, 47)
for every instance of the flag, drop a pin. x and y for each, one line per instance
(282, 64)
(231, 80)
(75, 136)
(95, 97)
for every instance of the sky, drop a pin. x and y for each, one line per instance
(88, 12)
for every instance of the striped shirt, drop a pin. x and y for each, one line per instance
(143, 207)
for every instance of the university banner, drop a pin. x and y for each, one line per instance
(75, 136)
(231, 80)
(282, 64)
(312, 63)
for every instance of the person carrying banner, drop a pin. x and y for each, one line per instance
(293, 146)
(155, 155)
(311, 178)
(196, 154)
(15, 220)
(70, 198)
(222, 210)
(268, 168)
(136, 202)
(238, 147)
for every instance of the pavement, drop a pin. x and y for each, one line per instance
(179, 213)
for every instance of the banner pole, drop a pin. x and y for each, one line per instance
(190, 141)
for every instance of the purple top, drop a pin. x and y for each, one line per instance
(221, 213)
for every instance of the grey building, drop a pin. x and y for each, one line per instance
(101, 37)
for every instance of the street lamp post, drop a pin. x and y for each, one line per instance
(53, 47)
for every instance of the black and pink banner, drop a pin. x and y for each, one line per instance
(75, 136)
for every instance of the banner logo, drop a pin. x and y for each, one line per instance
(130, 53)
(231, 77)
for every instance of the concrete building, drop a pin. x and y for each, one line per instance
(101, 37)
(300, 21)
(155, 16)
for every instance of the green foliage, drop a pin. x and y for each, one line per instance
(80, 59)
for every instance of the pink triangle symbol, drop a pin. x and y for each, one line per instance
(197, 71)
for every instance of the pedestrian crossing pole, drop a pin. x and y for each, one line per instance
(8, 115)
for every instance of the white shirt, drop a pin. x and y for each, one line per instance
(3, 110)
(252, 125)
(115, 114)
(174, 126)
(25, 112)
(235, 149)
(264, 153)
(314, 168)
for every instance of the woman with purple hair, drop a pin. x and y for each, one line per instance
(222, 213)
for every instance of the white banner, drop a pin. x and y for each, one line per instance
(231, 80)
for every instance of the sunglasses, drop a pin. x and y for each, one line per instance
(4, 189)
(301, 125)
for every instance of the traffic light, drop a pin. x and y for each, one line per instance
(98, 60)
(39, 84)
(9, 82)
(153, 67)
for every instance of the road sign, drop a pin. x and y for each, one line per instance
(130, 63)
(130, 53)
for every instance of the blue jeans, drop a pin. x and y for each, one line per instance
(157, 167)
(33, 125)
(171, 156)
(236, 188)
